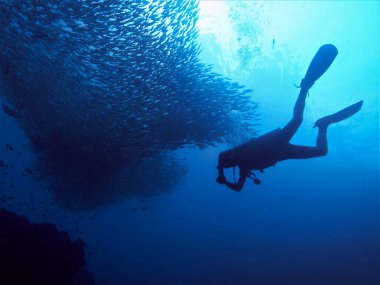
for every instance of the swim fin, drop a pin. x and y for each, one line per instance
(319, 65)
(339, 116)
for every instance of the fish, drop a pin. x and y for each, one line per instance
(9, 110)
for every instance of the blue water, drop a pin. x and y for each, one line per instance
(312, 221)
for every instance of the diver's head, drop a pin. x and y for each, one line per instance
(227, 159)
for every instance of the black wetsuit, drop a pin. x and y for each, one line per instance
(261, 152)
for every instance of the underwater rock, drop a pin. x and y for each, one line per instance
(39, 254)
(102, 88)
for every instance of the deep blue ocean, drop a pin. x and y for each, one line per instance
(114, 113)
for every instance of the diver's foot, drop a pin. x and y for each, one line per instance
(339, 116)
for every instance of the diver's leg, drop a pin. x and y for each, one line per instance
(302, 152)
(318, 66)
(297, 151)
(291, 128)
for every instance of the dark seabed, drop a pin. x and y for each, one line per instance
(112, 117)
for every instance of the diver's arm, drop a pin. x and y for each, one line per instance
(236, 186)
(221, 179)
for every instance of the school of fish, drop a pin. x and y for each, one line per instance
(106, 90)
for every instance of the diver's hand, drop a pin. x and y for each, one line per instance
(221, 179)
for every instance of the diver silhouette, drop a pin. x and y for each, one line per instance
(270, 148)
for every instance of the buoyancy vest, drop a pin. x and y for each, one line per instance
(260, 152)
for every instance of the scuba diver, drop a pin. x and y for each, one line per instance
(270, 148)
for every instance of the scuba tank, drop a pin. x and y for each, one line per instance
(319, 64)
